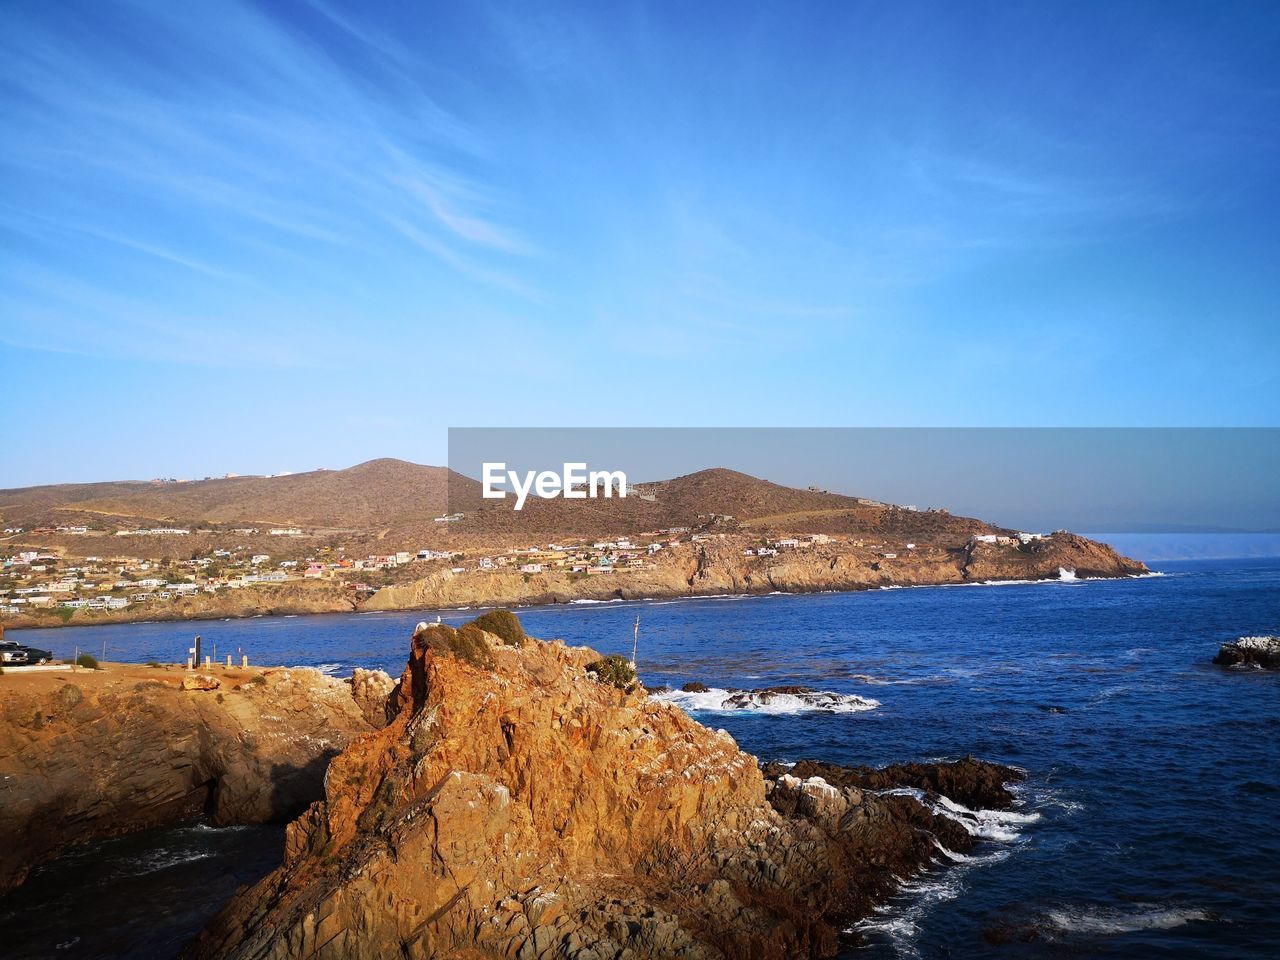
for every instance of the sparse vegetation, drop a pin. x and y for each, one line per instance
(502, 623)
(88, 661)
(153, 663)
(467, 644)
(614, 669)
(258, 679)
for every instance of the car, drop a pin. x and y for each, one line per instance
(16, 654)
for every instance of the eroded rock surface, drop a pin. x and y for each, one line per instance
(97, 754)
(374, 691)
(517, 808)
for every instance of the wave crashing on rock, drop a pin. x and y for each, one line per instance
(697, 698)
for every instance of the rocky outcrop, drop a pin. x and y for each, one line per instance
(1260, 652)
(517, 807)
(1047, 559)
(96, 754)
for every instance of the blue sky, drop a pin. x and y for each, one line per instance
(257, 237)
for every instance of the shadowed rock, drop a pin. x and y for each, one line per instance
(108, 753)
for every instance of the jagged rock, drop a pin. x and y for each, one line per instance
(974, 783)
(515, 808)
(373, 691)
(1262, 652)
(201, 681)
(127, 749)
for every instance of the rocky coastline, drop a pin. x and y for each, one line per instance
(92, 754)
(521, 805)
(713, 568)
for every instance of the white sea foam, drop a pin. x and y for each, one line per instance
(1065, 575)
(329, 669)
(899, 920)
(886, 682)
(716, 700)
(999, 825)
(1109, 921)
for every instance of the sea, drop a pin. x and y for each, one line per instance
(1146, 826)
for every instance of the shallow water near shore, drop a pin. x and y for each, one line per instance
(1145, 827)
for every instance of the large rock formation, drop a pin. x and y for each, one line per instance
(102, 753)
(1260, 652)
(518, 806)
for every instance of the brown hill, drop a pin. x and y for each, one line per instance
(379, 493)
(395, 503)
(736, 500)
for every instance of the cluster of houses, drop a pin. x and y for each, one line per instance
(772, 548)
(1017, 538)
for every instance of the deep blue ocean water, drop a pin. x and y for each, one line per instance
(1147, 825)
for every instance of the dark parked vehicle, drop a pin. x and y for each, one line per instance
(14, 654)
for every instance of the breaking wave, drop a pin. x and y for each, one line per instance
(716, 700)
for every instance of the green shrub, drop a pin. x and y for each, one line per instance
(153, 663)
(502, 623)
(65, 614)
(613, 669)
(88, 661)
(258, 678)
(466, 644)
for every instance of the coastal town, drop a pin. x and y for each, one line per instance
(49, 583)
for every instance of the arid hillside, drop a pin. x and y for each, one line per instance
(378, 493)
(395, 504)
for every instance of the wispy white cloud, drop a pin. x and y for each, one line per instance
(252, 127)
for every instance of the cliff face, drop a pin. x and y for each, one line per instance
(95, 754)
(518, 807)
(718, 567)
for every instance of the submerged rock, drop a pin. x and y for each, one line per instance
(516, 808)
(1262, 652)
